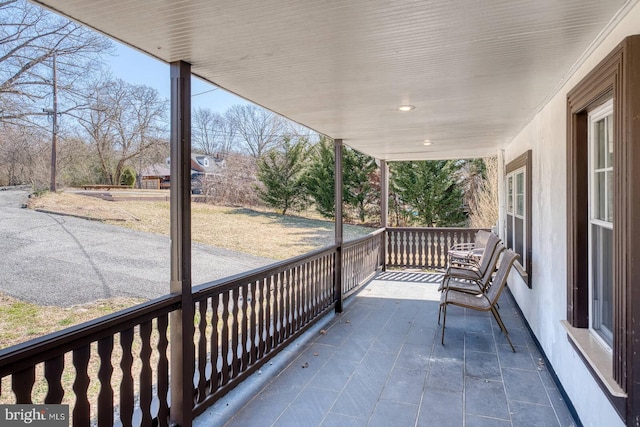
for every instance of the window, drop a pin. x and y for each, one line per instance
(518, 218)
(603, 231)
(600, 136)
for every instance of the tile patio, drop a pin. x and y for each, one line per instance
(380, 363)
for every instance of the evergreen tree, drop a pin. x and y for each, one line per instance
(281, 171)
(360, 181)
(430, 191)
(360, 190)
(319, 178)
(128, 177)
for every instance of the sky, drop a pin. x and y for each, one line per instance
(139, 68)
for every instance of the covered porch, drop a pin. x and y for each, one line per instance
(400, 81)
(381, 363)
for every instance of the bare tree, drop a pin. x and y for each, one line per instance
(123, 122)
(236, 184)
(29, 38)
(483, 203)
(24, 156)
(212, 132)
(258, 129)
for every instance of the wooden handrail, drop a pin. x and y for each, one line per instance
(37, 350)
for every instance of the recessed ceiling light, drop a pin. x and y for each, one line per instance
(426, 142)
(406, 107)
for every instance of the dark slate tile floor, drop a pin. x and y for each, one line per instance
(380, 363)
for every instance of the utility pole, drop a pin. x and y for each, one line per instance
(54, 139)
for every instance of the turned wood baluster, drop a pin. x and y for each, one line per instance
(253, 334)
(413, 238)
(439, 238)
(263, 320)
(320, 278)
(105, 397)
(330, 265)
(281, 295)
(270, 326)
(126, 386)
(225, 338)
(235, 360)
(22, 385)
(295, 299)
(289, 301)
(298, 283)
(313, 287)
(53, 374)
(244, 318)
(308, 291)
(81, 409)
(215, 345)
(202, 350)
(423, 249)
(163, 370)
(323, 283)
(146, 375)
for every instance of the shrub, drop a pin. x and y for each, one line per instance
(128, 177)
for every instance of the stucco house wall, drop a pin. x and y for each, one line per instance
(544, 305)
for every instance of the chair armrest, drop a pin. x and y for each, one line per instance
(462, 247)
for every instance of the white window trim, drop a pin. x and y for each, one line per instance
(595, 115)
(514, 209)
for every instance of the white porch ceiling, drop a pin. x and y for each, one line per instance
(476, 70)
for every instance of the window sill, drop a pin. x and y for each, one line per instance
(520, 269)
(596, 357)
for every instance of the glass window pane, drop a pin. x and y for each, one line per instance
(520, 194)
(510, 194)
(610, 196)
(518, 239)
(600, 143)
(599, 196)
(610, 140)
(602, 281)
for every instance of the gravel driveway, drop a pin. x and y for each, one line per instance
(59, 260)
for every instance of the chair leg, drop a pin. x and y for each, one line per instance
(444, 320)
(443, 284)
(503, 328)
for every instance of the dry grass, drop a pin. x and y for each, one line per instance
(21, 321)
(248, 231)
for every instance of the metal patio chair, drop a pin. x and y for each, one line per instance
(466, 253)
(474, 271)
(465, 280)
(485, 301)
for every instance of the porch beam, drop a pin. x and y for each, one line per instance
(181, 332)
(384, 209)
(502, 210)
(337, 147)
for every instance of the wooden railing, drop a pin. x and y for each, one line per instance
(115, 370)
(361, 259)
(243, 321)
(76, 367)
(424, 248)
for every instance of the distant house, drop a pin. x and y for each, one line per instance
(157, 176)
(203, 167)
